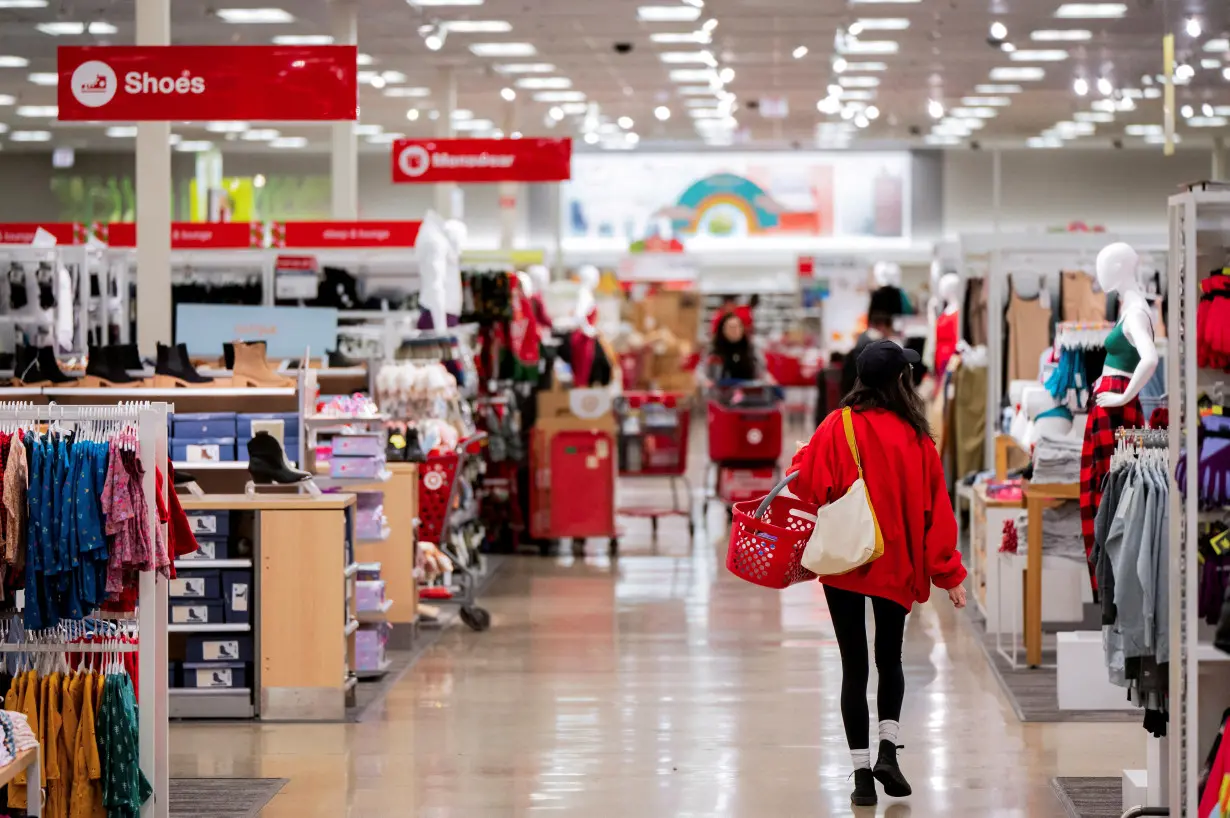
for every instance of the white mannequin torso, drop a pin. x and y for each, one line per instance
(1117, 272)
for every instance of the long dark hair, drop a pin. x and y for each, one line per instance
(737, 357)
(898, 396)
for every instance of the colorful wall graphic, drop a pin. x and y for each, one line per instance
(741, 197)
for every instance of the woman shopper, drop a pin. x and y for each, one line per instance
(905, 481)
(734, 356)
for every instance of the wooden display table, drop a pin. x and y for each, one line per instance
(987, 518)
(1039, 496)
(397, 551)
(304, 606)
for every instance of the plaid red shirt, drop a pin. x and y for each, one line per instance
(1099, 446)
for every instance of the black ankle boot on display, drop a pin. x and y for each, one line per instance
(104, 367)
(413, 453)
(25, 364)
(864, 794)
(888, 773)
(37, 366)
(267, 462)
(337, 360)
(129, 357)
(174, 368)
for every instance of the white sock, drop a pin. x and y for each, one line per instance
(861, 758)
(889, 730)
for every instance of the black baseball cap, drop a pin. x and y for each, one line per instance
(883, 361)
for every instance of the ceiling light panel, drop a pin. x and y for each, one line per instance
(694, 90)
(477, 26)
(226, 127)
(667, 14)
(303, 39)
(1217, 46)
(526, 68)
(998, 89)
(193, 146)
(121, 131)
(44, 78)
(559, 96)
(858, 82)
(973, 113)
(503, 50)
(1017, 74)
(35, 111)
(406, 91)
(64, 28)
(853, 46)
(685, 57)
(1094, 116)
(1038, 55)
(439, 3)
(13, 62)
(882, 23)
(251, 16)
(863, 96)
(855, 67)
(1091, 11)
(1053, 35)
(289, 142)
(23, 4)
(260, 135)
(679, 38)
(30, 136)
(693, 75)
(474, 125)
(543, 83)
(994, 102)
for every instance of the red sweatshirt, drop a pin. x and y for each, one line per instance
(906, 483)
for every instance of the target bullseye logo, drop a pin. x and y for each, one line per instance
(755, 436)
(414, 160)
(94, 83)
(433, 481)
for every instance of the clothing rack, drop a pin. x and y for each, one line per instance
(1082, 334)
(152, 607)
(1145, 438)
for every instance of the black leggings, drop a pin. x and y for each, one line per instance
(849, 611)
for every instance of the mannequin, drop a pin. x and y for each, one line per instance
(587, 311)
(886, 274)
(457, 234)
(948, 325)
(1131, 357)
(1045, 417)
(541, 277)
(432, 248)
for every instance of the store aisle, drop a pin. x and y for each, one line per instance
(657, 687)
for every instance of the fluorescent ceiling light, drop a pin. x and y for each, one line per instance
(193, 145)
(865, 96)
(23, 4)
(884, 2)
(1091, 11)
(289, 142)
(543, 83)
(1055, 35)
(1038, 55)
(364, 59)
(30, 136)
(881, 24)
(122, 131)
(667, 14)
(694, 90)
(1043, 142)
(303, 39)
(1207, 121)
(526, 68)
(998, 89)
(698, 103)
(13, 62)
(853, 46)
(683, 57)
(995, 102)
(462, 114)
(679, 38)
(1105, 105)
(559, 96)
(7, 99)
(1093, 116)
(503, 50)
(260, 135)
(858, 82)
(973, 113)
(44, 78)
(1144, 130)
(474, 125)
(255, 16)
(64, 28)
(367, 129)
(1021, 74)
(940, 139)
(445, 2)
(226, 127)
(575, 108)
(477, 26)
(34, 111)
(404, 91)
(692, 75)
(1218, 46)
(384, 138)
(1208, 63)
(393, 77)
(865, 66)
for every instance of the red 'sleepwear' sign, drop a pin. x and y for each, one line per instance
(345, 234)
(192, 235)
(199, 82)
(482, 160)
(23, 232)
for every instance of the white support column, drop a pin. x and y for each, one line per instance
(153, 199)
(995, 316)
(444, 130)
(344, 153)
(209, 193)
(510, 192)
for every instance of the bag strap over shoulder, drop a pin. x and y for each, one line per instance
(848, 422)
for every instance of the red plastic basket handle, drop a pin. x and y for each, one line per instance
(772, 495)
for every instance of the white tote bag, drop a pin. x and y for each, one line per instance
(847, 534)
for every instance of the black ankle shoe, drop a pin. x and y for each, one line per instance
(105, 364)
(129, 358)
(267, 462)
(175, 366)
(49, 368)
(888, 773)
(413, 453)
(864, 794)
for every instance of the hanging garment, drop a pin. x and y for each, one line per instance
(1028, 324)
(125, 787)
(969, 418)
(947, 330)
(1099, 445)
(975, 312)
(1080, 299)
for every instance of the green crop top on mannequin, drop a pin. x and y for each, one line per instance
(1120, 353)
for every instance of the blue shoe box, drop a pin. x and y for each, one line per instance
(290, 424)
(215, 674)
(237, 595)
(202, 425)
(199, 612)
(203, 450)
(209, 548)
(201, 583)
(218, 647)
(210, 523)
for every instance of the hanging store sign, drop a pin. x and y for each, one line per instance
(23, 232)
(315, 235)
(191, 235)
(482, 160)
(294, 277)
(198, 82)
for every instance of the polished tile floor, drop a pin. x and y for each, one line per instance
(658, 686)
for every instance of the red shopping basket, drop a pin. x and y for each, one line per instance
(767, 539)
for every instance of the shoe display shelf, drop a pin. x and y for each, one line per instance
(287, 638)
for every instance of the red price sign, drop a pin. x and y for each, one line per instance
(346, 234)
(427, 161)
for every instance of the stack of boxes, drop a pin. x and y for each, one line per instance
(372, 637)
(207, 596)
(360, 455)
(203, 437)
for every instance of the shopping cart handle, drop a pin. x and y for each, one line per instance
(473, 443)
(772, 495)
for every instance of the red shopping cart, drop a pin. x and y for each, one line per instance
(745, 440)
(767, 539)
(653, 442)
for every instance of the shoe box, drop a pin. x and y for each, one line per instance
(367, 468)
(244, 430)
(369, 646)
(202, 437)
(194, 590)
(369, 595)
(221, 675)
(369, 518)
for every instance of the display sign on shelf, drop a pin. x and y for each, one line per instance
(287, 331)
(24, 232)
(425, 161)
(190, 235)
(294, 277)
(392, 234)
(199, 82)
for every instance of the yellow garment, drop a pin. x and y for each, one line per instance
(15, 700)
(53, 749)
(69, 705)
(86, 798)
